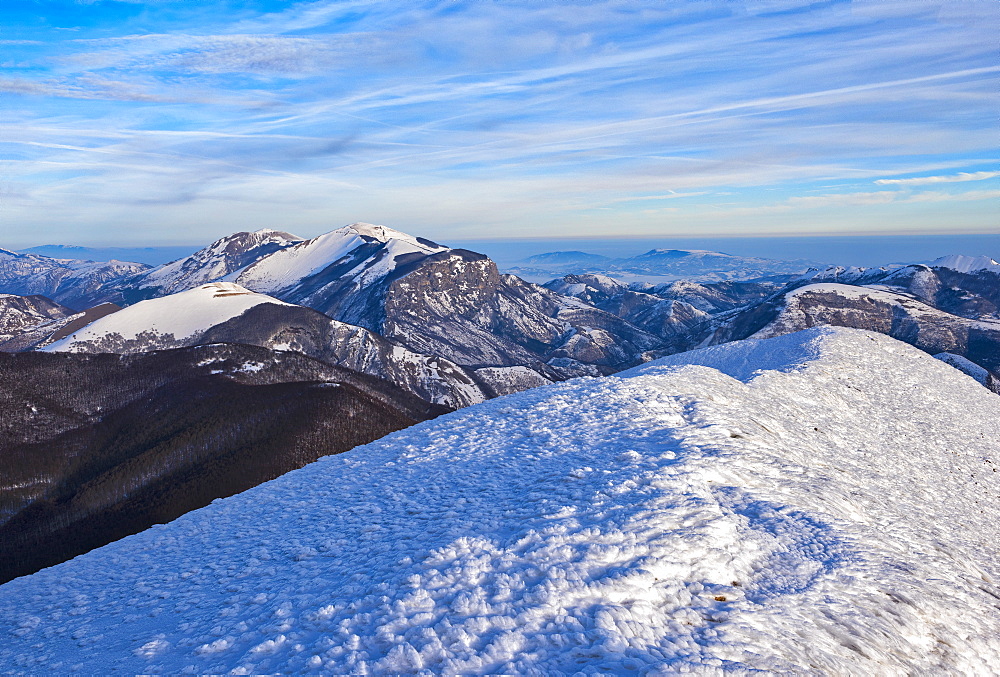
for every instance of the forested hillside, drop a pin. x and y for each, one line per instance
(97, 447)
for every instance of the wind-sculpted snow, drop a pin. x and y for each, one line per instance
(743, 360)
(507, 380)
(970, 368)
(834, 516)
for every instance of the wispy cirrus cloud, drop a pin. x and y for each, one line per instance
(950, 178)
(854, 200)
(217, 54)
(87, 87)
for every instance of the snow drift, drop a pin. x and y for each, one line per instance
(820, 502)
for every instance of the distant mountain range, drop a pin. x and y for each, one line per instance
(153, 256)
(446, 325)
(440, 326)
(940, 309)
(656, 266)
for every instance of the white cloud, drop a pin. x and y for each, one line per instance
(217, 54)
(87, 87)
(952, 178)
(844, 199)
(968, 196)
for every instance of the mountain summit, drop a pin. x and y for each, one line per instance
(167, 322)
(223, 257)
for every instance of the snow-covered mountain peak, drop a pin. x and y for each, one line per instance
(966, 264)
(385, 234)
(272, 232)
(240, 244)
(346, 245)
(168, 321)
(223, 257)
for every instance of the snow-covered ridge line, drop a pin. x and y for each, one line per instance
(304, 259)
(673, 518)
(221, 258)
(966, 264)
(889, 296)
(180, 316)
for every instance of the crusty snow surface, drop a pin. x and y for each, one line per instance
(834, 513)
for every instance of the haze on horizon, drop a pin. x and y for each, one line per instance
(165, 122)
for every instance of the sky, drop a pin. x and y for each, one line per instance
(173, 122)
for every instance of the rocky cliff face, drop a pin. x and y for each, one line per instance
(446, 324)
(303, 330)
(33, 336)
(451, 303)
(972, 293)
(428, 300)
(223, 312)
(457, 304)
(661, 316)
(716, 297)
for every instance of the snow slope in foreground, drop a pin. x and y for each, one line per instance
(835, 513)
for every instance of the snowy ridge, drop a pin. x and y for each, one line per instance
(168, 321)
(671, 519)
(966, 264)
(223, 257)
(910, 305)
(290, 266)
(844, 274)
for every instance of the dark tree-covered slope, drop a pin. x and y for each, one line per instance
(97, 447)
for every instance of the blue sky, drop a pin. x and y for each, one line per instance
(134, 123)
